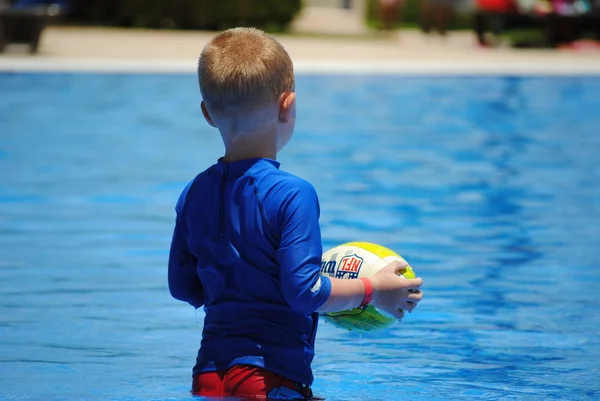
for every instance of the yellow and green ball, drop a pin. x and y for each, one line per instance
(354, 260)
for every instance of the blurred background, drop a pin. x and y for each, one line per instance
(462, 134)
(491, 23)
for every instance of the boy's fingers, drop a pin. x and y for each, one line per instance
(398, 265)
(414, 283)
(398, 313)
(415, 296)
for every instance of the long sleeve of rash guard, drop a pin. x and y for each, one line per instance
(300, 250)
(184, 283)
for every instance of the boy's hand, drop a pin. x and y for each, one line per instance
(395, 294)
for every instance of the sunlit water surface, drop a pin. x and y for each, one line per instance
(489, 186)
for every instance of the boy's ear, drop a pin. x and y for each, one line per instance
(286, 106)
(206, 115)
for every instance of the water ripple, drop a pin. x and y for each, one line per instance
(488, 186)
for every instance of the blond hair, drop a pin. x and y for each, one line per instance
(242, 69)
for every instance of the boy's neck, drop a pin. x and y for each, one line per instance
(250, 146)
(230, 157)
(261, 143)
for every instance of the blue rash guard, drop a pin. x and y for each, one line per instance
(247, 246)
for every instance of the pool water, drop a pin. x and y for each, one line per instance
(489, 186)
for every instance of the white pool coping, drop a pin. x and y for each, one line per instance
(560, 67)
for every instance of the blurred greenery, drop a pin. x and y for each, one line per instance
(270, 15)
(411, 16)
(525, 35)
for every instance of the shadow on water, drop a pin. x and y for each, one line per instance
(503, 198)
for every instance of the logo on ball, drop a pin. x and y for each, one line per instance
(349, 267)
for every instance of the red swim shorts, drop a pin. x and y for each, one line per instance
(249, 382)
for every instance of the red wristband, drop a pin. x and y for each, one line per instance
(368, 292)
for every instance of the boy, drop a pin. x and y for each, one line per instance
(247, 242)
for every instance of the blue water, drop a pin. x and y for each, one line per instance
(490, 187)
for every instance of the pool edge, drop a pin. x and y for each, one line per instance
(563, 67)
